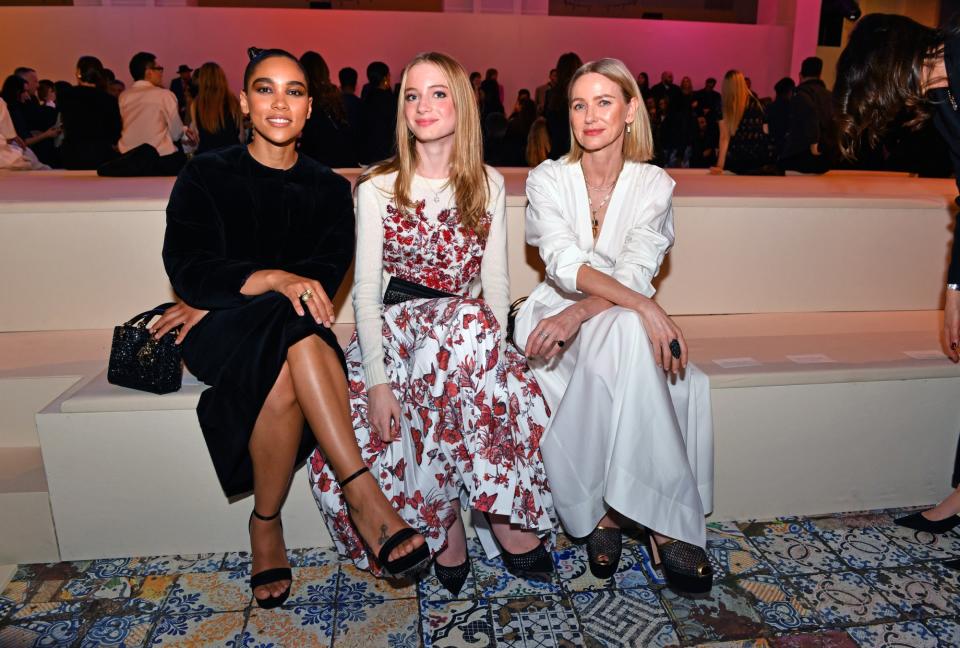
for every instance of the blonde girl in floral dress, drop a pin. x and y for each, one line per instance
(445, 412)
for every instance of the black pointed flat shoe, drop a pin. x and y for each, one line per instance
(452, 578)
(270, 576)
(917, 522)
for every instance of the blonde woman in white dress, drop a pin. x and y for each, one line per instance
(631, 437)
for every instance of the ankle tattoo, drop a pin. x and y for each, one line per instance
(383, 534)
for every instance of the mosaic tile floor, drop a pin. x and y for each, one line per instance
(840, 581)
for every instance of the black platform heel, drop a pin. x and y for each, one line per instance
(452, 578)
(917, 522)
(604, 548)
(686, 566)
(408, 565)
(269, 576)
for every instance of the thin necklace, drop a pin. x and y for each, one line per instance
(594, 222)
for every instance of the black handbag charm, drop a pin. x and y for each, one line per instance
(139, 362)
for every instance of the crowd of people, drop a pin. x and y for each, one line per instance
(148, 129)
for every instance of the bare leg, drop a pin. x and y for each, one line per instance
(456, 550)
(513, 538)
(273, 449)
(321, 390)
(946, 508)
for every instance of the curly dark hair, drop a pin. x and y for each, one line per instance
(879, 78)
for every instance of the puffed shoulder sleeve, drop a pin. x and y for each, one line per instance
(650, 235)
(549, 226)
(194, 248)
(332, 254)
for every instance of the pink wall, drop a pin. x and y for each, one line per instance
(523, 48)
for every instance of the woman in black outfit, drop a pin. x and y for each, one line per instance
(214, 112)
(90, 118)
(329, 138)
(557, 106)
(893, 68)
(259, 237)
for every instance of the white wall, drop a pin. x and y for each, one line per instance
(523, 48)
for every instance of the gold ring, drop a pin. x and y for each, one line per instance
(306, 294)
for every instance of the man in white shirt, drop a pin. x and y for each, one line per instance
(150, 116)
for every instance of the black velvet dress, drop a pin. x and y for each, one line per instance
(228, 217)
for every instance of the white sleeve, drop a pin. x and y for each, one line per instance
(494, 275)
(549, 229)
(7, 131)
(368, 283)
(650, 236)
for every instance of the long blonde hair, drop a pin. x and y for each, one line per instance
(538, 142)
(214, 99)
(467, 173)
(638, 143)
(736, 97)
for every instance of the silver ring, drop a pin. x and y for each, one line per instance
(544, 335)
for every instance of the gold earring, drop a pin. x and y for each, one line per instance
(628, 128)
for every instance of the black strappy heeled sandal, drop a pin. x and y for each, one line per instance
(408, 565)
(270, 576)
(604, 547)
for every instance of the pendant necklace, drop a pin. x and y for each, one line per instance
(594, 222)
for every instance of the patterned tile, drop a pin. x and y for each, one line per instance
(796, 553)
(731, 554)
(79, 589)
(46, 591)
(430, 588)
(917, 592)
(780, 526)
(392, 623)
(16, 593)
(894, 635)
(40, 634)
(624, 618)
(382, 588)
(184, 564)
(456, 623)
(921, 545)
(536, 621)
(44, 610)
(319, 557)
(313, 585)
(573, 569)
(200, 593)
(493, 580)
(108, 568)
(843, 598)
(151, 593)
(866, 548)
(780, 608)
(52, 571)
(821, 639)
(197, 630)
(748, 643)
(862, 520)
(725, 614)
(947, 630)
(118, 631)
(302, 627)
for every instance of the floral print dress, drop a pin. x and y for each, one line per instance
(472, 414)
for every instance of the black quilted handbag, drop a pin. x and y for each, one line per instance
(139, 362)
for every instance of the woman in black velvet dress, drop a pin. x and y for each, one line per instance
(258, 237)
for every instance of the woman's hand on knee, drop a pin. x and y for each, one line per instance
(552, 334)
(179, 314)
(383, 412)
(662, 331)
(305, 294)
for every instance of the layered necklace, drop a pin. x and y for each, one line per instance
(595, 209)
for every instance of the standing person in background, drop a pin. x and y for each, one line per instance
(811, 142)
(90, 117)
(894, 67)
(215, 115)
(558, 123)
(328, 137)
(538, 142)
(493, 75)
(540, 94)
(666, 88)
(688, 98)
(491, 104)
(778, 114)
(518, 131)
(744, 140)
(378, 115)
(643, 82)
(180, 87)
(709, 100)
(348, 93)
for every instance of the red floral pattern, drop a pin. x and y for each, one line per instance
(471, 418)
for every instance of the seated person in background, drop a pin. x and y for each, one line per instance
(708, 100)
(538, 142)
(778, 113)
(150, 116)
(21, 106)
(215, 116)
(328, 137)
(378, 115)
(518, 128)
(630, 439)
(811, 142)
(47, 93)
(116, 87)
(348, 93)
(90, 117)
(13, 152)
(181, 87)
(706, 139)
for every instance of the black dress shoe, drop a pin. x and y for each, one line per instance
(917, 522)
